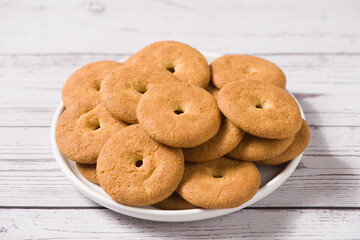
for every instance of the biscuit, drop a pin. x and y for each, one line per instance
(252, 148)
(179, 115)
(261, 109)
(231, 68)
(83, 128)
(185, 62)
(220, 183)
(85, 83)
(136, 170)
(122, 88)
(301, 141)
(226, 139)
(174, 202)
(213, 90)
(88, 171)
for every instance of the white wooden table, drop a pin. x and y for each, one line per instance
(316, 43)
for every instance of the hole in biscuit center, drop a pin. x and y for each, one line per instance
(139, 163)
(178, 111)
(171, 69)
(217, 175)
(259, 102)
(95, 124)
(97, 86)
(141, 89)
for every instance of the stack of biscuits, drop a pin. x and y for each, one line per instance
(166, 129)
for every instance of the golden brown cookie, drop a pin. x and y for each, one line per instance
(252, 148)
(174, 202)
(226, 139)
(88, 171)
(83, 128)
(231, 68)
(85, 83)
(136, 170)
(183, 61)
(220, 183)
(122, 88)
(299, 145)
(179, 115)
(213, 90)
(261, 109)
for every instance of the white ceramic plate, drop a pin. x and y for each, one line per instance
(271, 178)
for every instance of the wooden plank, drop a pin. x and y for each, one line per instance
(50, 71)
(123, 26)
(327, 86)
(249, 224)
(319, 181)
(35, 142)
(323, 181)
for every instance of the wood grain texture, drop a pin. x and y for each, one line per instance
(327, 96)
(319, 181)
(327, 86)
(104, 224)
(316, 43)
(232, 26)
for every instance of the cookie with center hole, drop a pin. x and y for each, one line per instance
(261, 109)
(174, 202)
(226, 139)
(121, 89)
(85, 83)
(220, 183)
(88, 171)
(185, 62)
(178, 114)
(252, 148)
(301, 141)
(231, 68)
(135, 170)
(83, 128)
